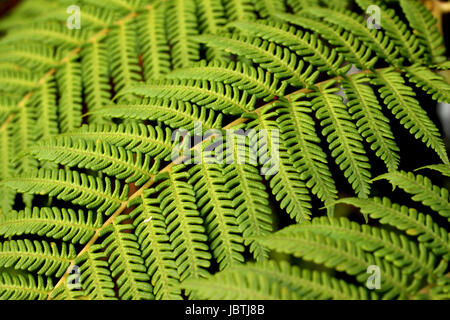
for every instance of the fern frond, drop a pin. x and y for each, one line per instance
(211, 19)
(32, 55)
(45, 105)
(181, 32)
(249, 197)
(98, 156)
(217, 211)
(406, 219)
(70, 95)
(123, 62)
(425, 25)
(38, 256)
(51, 33)
(152, 141)
(407, 43)
(353, 50)
(303, 144)
(282, 63)
(64, 224)
(94, 65)
(173, 113)
(95, 17)
(255, 81)
(273, 280)
(343, 137)
(184, 223)
(354, 23)
(442, 168)
(372, 125)
(431, 82)
(239, 10)
(412, 258)
(24, 124)
(422, 190)
(153, 237)
(96, 279)
(267, 8)
(124, 6)
(342, 255)
(285, 182)
(154, 42)
(125, 260)
(306, 45)
(18, 81)
(24, 286)
(68, 185)
(399, 98)
(214, 95)
(7, 169)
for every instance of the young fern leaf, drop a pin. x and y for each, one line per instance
(343, 138)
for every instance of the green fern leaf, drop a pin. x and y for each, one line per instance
(422, 190)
